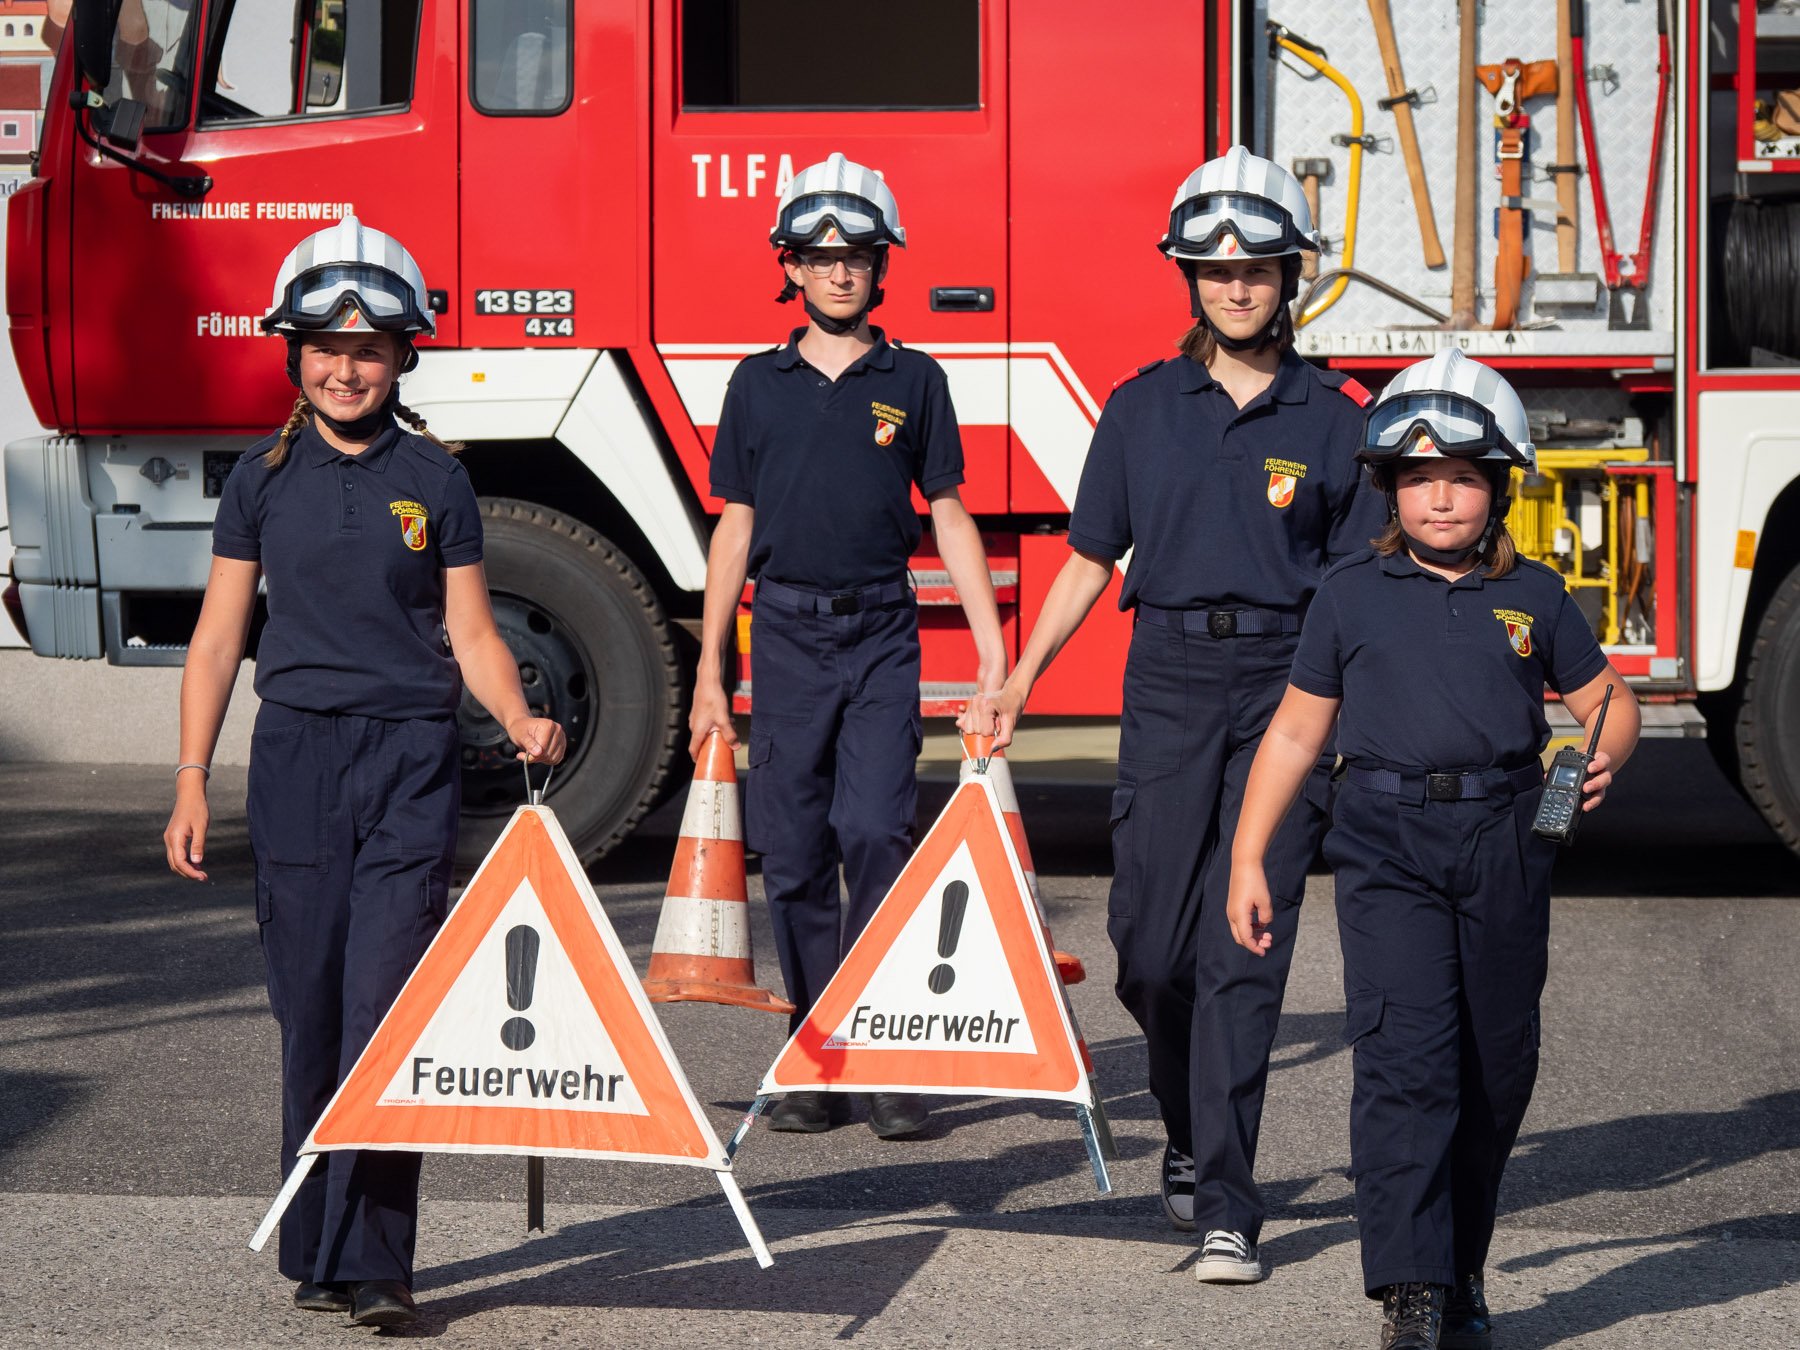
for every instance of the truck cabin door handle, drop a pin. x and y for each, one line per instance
(969, 299)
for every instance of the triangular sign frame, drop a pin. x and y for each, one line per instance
(531, 853)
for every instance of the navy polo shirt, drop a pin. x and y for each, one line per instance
(1222, 506)
(1442, 675)
(354, 548)
(828, 465)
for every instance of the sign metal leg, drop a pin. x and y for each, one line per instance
(732, 1145)
(289, 1188)
(1090, 1134)
(534, 1195)
(752, 1234)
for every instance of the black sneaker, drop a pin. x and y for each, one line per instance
(1466, 1325)
(1178, 1189)
(1228, 1258)
(1412, 1316)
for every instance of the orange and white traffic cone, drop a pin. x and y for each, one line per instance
(1068, 965)
(702, 948)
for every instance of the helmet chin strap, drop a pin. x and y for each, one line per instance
(1267, 336)
(369, 425)
(1498, 505)
(830, 323)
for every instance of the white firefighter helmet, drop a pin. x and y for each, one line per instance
(837, 203)
(348, 276)
(1448, 405)
(1239, 205)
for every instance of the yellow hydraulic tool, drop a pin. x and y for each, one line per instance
(1314, 56)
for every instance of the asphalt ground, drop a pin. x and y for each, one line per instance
(1651, 1201)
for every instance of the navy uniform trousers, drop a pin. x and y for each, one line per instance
(1195, 709)
(353, 824)
(1444, 914)
(834, 747)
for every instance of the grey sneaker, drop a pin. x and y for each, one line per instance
(1228, 1258)
(1178, 1189)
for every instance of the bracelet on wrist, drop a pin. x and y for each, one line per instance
(205, 771)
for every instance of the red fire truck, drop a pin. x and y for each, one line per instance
(588, 188)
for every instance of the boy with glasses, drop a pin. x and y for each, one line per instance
(819, 446)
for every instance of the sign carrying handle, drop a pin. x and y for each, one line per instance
(535, 796)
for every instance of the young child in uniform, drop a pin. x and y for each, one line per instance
(1228, 475)
(378, 614)
(820, 444)
(1430, 654)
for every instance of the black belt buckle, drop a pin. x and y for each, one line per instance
(1222, 623)
(1443, 787)
(850, 603)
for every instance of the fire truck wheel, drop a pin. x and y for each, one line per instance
(595, 652)
(1768, 721)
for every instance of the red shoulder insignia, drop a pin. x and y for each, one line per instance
(1141, 370)
(1353, 391)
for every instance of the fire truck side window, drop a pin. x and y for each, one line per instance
(765, 54)
(153, 60)
(523, 61)
(288, 58)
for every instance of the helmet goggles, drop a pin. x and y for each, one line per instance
(856, 220)
(1455, 425)
(1198, 226)
(316, 299)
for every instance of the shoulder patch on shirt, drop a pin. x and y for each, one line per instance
(1141, 370)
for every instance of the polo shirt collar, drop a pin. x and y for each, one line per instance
(878, 357)
(1401, 564)
(312, 449)
(1291, 383)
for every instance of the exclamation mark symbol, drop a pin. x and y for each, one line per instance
(521, 979)
(950, 921)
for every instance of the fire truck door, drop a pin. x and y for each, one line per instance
(550, 204)
(746, 95)
(302, 111)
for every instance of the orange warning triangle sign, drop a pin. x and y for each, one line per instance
(523, 1030)
(950, 988)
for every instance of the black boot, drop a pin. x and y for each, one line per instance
(1412, 1315)
(1466, 1325)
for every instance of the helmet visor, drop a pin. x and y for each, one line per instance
(1455, 424)
(314, 299)
(805, 219)
(1198, 226)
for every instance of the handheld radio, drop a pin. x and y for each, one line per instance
(1559, 811)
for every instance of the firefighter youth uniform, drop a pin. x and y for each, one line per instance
(1231, 515)
(828, 466)
(354, 790)
(1443, 892)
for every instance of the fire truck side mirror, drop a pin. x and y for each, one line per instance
(94, 22)
(124, 125)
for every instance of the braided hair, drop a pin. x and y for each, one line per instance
(276, 455)
(417, 423)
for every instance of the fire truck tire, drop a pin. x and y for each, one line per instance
(1768, 720)
(596, 653)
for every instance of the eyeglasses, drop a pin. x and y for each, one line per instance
(857, 262)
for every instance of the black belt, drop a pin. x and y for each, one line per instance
(836, 602)
(1422, 785)
(1220, 623)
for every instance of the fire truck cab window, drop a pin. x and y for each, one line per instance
(153, 60)
(740, 54)
(523, 59)
(296, 58)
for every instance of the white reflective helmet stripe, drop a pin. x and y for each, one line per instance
(359, 252)
(841, 177)
(1239, 173)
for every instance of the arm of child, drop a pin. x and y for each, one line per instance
(489, 669)
(1618, 738)
(214, 654)
(1289, 750)
(1081, 582)
(959, 545)
(727, 565)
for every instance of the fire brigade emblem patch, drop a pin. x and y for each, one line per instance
(884, 432)
(1228, 245)
(412, 523)
(888, 421)
(349, 316)
(1284, 478)
(1518, 629)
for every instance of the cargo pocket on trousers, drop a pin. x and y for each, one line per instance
(1120, 902)
(762, 746)
(1381, 1127)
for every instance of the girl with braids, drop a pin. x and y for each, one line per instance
(378, 613)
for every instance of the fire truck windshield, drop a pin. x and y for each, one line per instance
(153, 59)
